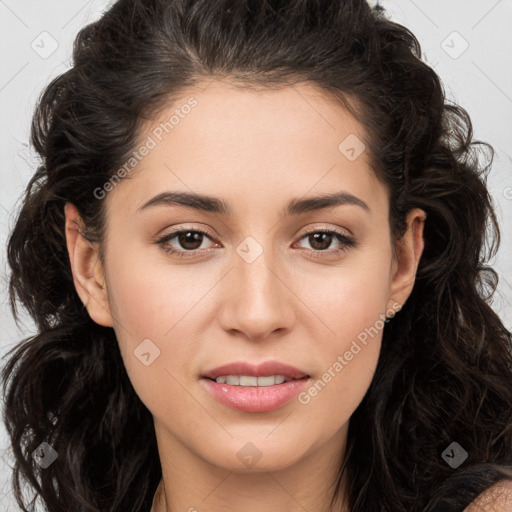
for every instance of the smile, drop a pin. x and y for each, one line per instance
(252, 387)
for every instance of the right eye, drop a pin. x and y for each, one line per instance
(189, 239)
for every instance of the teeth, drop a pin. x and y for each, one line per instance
(279, 379)
(249, 380)
(246, 380)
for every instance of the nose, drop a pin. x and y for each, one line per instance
(258, 300)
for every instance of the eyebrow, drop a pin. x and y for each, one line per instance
(215, 205)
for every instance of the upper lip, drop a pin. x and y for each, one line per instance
(257, 370)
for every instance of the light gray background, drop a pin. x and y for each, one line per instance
(35, 45)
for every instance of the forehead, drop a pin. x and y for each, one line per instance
(301, 112)
(223, 140)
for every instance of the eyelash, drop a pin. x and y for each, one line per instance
(345, 241)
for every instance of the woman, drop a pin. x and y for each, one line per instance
(253, 250)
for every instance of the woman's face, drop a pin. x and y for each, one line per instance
(262, 285)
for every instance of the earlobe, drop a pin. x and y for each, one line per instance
(408, 253)
(86, 268)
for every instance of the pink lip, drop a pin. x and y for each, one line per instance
(255, 398)
(259, 370)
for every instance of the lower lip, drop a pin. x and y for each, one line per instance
(255, 398)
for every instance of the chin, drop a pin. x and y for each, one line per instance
(256, 456)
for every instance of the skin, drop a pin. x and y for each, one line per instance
(257, 151)
(497, 498)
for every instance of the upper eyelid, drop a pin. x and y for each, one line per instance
(315, 229)
(341, 231)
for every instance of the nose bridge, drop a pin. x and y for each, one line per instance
(257, 302)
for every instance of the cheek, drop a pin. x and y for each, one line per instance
(153, 308)
(352, 306)
(150, 294)
(151, 303)
(350, 298)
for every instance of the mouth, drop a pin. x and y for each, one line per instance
(245, 372)
(254, 388)
(253, 380)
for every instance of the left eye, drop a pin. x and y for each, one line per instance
(321, 240)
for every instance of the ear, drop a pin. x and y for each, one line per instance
(408, 251)
(86, 268)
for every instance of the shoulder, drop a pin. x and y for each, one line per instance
(497, 498)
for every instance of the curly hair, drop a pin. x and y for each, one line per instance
(445, 366)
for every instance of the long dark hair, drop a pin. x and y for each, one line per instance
(445, 369)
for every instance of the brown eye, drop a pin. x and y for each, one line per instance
(184, 242)
(320, 241)
(190, 240)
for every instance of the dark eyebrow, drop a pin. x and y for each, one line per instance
(216, 205)
(298, 206)
(189, 200)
